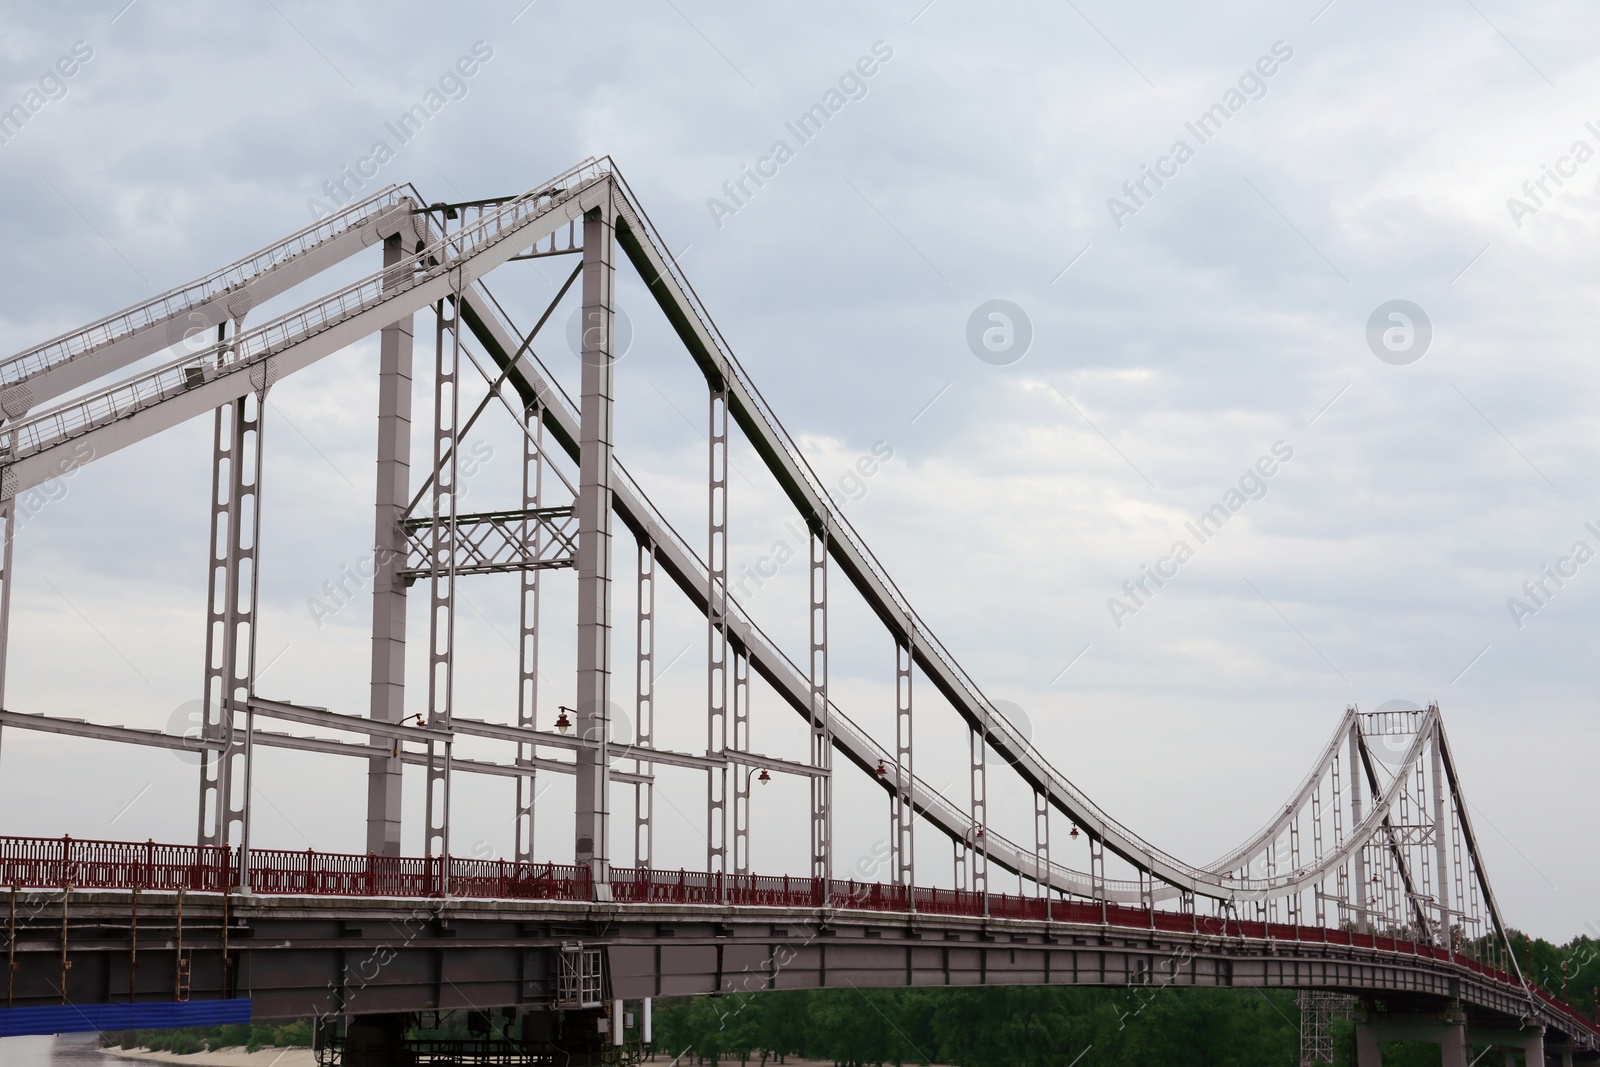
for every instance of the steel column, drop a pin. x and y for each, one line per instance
(1041, 845)
(1440, 848)
(442, 569)
(743, 774)
(717, 630)
(1341, 884)
(1468, 905)
(1316, 849)
(1294, 865)
(979, 861)
(1097, 872)
(1359, 858)
(389, 548)
(591, 838)
(904, 839)
(230, 622)
(644, 716)
(528, 616)
(821, 720)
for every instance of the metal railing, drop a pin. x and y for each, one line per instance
(252, 347)
(68, 863)
(176, 302)
(63, 862)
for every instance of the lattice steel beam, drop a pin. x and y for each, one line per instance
(644, 715)
(442, 577)
(717, 627)
(821, 724)
(1041, 838)
(496, 542)
(979, 858)
(903, 840)
(532, 535)
(742, 773)
(230, 621)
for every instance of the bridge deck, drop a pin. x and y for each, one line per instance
(326, 932)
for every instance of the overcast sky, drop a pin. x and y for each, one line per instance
(1180, 330)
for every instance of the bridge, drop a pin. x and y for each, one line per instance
(1366, 890)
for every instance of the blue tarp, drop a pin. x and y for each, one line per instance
(157, 1015)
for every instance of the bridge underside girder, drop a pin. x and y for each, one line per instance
(300, 956)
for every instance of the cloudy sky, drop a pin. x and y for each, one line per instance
(1168, 333)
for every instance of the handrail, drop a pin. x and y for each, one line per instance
(66, 862)
(180, 299)
(76, 417)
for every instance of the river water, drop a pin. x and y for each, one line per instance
(65, 1050)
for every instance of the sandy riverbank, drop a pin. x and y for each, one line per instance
(222, 1057)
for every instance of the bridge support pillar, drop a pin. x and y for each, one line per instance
(376, 1041)
(592, 834)
(1453, 1045)
(1530, 1042)
(389, 551)
(1447, 1029)
(1368, 1053)
(580, 1037)
(1533, 1051)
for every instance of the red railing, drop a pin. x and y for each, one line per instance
(57, 863)
(34, 862)
(510, 880)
